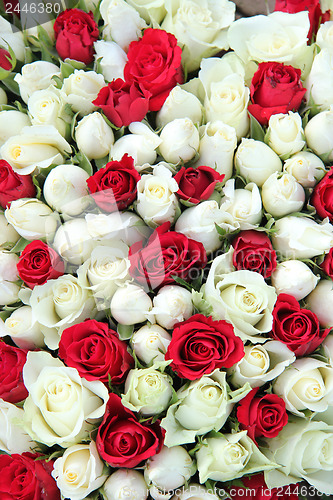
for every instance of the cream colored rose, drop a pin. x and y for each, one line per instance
(8, 235)
(244, 205)
(281, 194)
(125, 483)
(285, 133)
(179, 104)
(306, 167)
(23, 329)
(319, 81)
(150, 342)
(150, 10)
(11, 124)
(320, 301)
(324, 38)
(319, 132)
(12, 38)
(172, 304)
(295, 278)
(195, 491)
(110, 60)
(130, 304)
(36, 76)
(46, 108)
(179, 140)
(93, 136)
(256, 161)
(13, 439)
(81, 88)
(73, 242)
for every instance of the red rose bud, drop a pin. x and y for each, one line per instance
(5, 59)
(316, 16)
(327, 264)
(200, 345)
(275, 88)
(12, 360)
(75, 32)
(255, 487)
(14, 186)
(197, 184)
(114, 186)
(253, 251)
(322, 196)
(123, 102)
(154, 63)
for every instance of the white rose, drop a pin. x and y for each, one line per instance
(130, 304)
(156, 199)
(8, 235)
(36, 76)
(8, 293)
(261, 363)
(201, 407)
(172, 304)
(319, 81)
(301, 237)
(150, 10)
(13, 439)
(13, 39)
(93, 136)
(179, 104)
(46, 108)
(244, 205)
(73, 242)
(285, 133)
(8, 269)
(150, 342)
(319, 133)
(125, 483)
(324, 38)
(117, 14)
(256, 161)
(61, 407)
(281, 194)
(320, 302)
(179, 140)
(306, 167)
(295, 278)
(195, 491)
(80, 89)
(3, 97)
(110, 60)
(11, 123)
(79, 471)
(38, 146)
(23, 329)
(32, 218)
(65, 189)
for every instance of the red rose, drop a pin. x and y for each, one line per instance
(75, 32)
(322, 196)
(154, 63)
(25, 478)
(166, 254)
(197, 184)
(253, 251)
(95, 351)
(5, 59)
(316, 16)
(122, 102)
(262, 416)
(39, 263)
(327, 264)
(298, 328)
(255, 487)
(275, 88)
(122, 441)
(12, 360)
(14, 186)
(114, 186)
(199, 345)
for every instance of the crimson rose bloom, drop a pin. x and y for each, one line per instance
(316, 16)
(114, 186)
(275, 88)
(197, 184)
(75, 32)
(255, 487)
(4, 62)
(166, 254)
(199, 345)
(322, 196)
(122, 441)
(262, 416)
(298, 328)
(14, 186)
(12, 360)
(123, 102)
(95, 351)
(154, 63)
(327, 264)
(253, 251)
(25, 478)
(39, 263)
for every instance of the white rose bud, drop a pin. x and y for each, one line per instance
(8, 269)
(32, 33)
(80, 89)
(324, 38)
(195, 491)
(3, 97)
(179, 104)
(285, 133)
(23, 329)
(256, 161)
(318, 83)
(319, 133)
(172, 304)
(46, 108)
(320, 302)
(130, 305)
(281, 194)
(73, 242)
(11, 123)
(149, 10)
(8, 293)
(111, 59)
(125, 483)
(244, 205)
(180, 140)
(295, 278)
(150, 342)
(36, 76)
(93, 136)
(8, 235)
(32, 218)
(13, 439)
(12, 38)
(306, 167)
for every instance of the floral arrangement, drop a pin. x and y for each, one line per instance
(166, 256)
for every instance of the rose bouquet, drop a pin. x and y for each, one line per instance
(166, 255)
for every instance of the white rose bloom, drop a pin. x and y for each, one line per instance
(281, 194)
(11, 123)
(13, 39)
(110, 59)
(256, 161)
(80, 89)
(320, 302)
(172, 304)
(285, 133)
(122, 22)
(73, 242)
(8, 269)
(46, 108)
(261, 363)
(324, 38)
(3, 97)
(150, 10)
(179, 140)
(319, 133)
(201, 407)
(8, 235)
(229, 457)
(32, 218)
(150, 343)
(303, 451)
(93, 136)
(130, 304)
(8, 293)
(65, 189)
(195, 491)
(79, 471)
(319, 81)
(244, 205)
(156, 199)
(125, 483)
(179, 104)
(13, 439)
(58, 304)
(23, 329)
(301, 237)
(36, 76)
(295, 278)
(306, 167)
(61, 407)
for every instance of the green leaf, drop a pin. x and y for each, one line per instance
(37, 186)
(84, 162)
(256, 131)
(182, 282)
(125, 332)
(101, 162)
(20, 245)
(12, 85)
(66, 69)
(73, 125)
(4, 315)
(57, 81)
